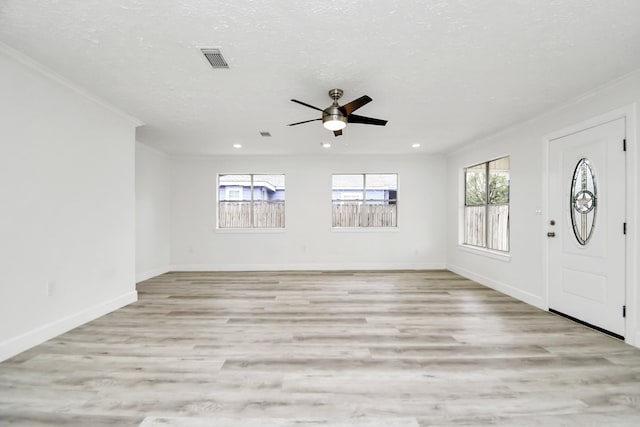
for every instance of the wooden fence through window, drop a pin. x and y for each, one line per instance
(360, 215)
(238, 214)
(496, 229)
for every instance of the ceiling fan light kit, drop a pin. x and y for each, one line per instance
(336, 117)
(334, 121)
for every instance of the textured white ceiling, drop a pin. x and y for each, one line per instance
(442, 72)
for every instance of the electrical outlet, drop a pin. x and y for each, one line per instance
(51, 288)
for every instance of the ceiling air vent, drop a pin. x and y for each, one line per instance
(265, 133)
(215, 58)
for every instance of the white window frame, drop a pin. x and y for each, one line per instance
(251, 203)
(486, 205)
(364, 202)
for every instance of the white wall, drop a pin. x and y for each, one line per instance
(308, 242)
(67, 206)
(523, 274)
(153, 213)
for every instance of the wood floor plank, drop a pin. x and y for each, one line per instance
(342, 349)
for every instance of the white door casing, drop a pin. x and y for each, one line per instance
(587, 280)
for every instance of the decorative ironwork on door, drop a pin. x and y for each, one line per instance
(584, 201)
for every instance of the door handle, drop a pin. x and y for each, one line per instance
(551, 234)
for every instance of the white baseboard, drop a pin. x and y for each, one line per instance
(16, 345)
(504, 288)
(146, 275)
(309, 267)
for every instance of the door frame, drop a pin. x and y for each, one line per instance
(629, 113)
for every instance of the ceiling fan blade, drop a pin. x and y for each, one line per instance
(306, 121)
(337, 133)
(306, 105)
(352, 118)
(355, 104)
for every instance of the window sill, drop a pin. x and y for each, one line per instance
(365, 229)
(500, 256)
(250, 230)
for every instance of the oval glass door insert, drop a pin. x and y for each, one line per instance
(584, 201)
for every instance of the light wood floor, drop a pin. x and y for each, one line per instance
(389, 349)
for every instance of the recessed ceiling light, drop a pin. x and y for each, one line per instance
(325, 145)
(415, 145)
(237, 145)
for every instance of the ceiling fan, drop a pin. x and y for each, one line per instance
(336, 117)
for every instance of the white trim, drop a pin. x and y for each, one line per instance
(52, 75)
(461, 192)
(310, 267)
(544, 241)
(629, 113)
(250, 230)
(500, 256)
(231, 420)
(365, 229)
(620, 113)
(16, 345)
(146, 275)
(504, 288)
(632, 335)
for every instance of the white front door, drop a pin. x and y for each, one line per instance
(587, 215)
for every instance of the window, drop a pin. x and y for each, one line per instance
(233, 193)
(251, 201)
(486, 205)
(364, 200)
